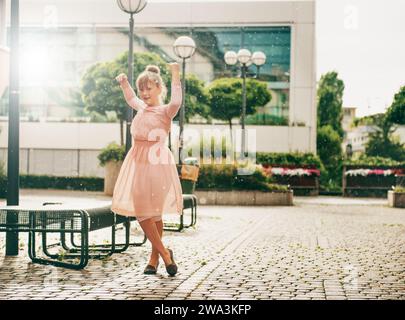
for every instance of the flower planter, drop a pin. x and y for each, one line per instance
(112, 169)
(305, 185)
(369, 181)
(396, 199)
(303, 180)
(244, 198)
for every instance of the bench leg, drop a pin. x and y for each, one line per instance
(95, 251)
(193, 212)
(56, 259)
(119, 247)
(191, 217)
(181, 225)
(178, 227)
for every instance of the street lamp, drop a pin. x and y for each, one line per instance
(259, 59)
(245, 59)
(184, 48)
(132, 7)
(13, 154)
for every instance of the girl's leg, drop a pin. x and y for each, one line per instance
(150, 229)
(154, 257)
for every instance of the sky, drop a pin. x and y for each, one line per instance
(364, 41)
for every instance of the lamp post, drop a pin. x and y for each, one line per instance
(184, 48)
(245, 59)
(132, 7)
(13, 176)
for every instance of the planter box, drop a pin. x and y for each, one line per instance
(244, 198)
(371, 181)
(374, 186)
(303, 186)
(112, 169)
(371, 185)
(396, 199)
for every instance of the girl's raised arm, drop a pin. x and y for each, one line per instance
(176, 94)
(130, 97)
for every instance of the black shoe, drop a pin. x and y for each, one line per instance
(171, 268)
(150, 269)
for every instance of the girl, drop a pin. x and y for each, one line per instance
(148, 183)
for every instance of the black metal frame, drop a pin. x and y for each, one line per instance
(178, 227)
(64, 222)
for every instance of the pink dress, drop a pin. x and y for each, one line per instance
(148, 184)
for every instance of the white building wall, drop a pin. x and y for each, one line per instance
(300, 15)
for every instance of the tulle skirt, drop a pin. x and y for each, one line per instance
(148, 184)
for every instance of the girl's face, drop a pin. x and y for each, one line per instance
(150, 93)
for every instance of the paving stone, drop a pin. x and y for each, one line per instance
(322, 248)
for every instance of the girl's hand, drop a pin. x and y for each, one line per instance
(122, 77)
(174, 67)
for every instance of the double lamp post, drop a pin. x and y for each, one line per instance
(245, 59)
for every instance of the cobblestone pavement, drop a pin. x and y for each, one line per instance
(321, 248)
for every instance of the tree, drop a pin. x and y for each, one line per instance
(396, 112)
(382, 142)
(330, 151)
(226, 97)
(102, 94)
(197, 98)
(330, 132)
(330, 101)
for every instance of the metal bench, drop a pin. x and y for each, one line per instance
(66, 221)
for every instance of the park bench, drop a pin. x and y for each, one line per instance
(71, 222)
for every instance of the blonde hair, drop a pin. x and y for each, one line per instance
(152, 74)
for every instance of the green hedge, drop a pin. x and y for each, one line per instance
(53, 182)
(266, 119)
(211, 177)
(293, 158)
(225, 177)
(373, 161)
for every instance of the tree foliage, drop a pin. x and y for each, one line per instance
(383, 143)
(396, 112)
(330, 150)
(226, 97)
(197, 98)
(330, 101)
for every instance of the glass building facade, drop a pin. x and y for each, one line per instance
(53, 61)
